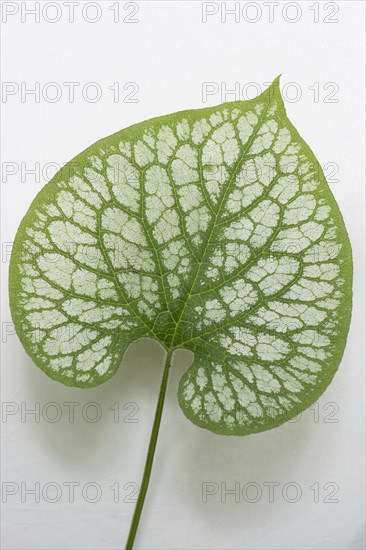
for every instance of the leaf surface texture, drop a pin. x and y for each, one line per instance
(212, 230)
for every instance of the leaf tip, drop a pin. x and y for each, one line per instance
(274, 89)
(276, 82)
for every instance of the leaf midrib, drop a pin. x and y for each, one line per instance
(218, 214)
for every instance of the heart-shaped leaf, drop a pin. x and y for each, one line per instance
(212, 230)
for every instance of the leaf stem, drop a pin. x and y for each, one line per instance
(150, 454)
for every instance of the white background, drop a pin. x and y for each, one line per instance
(169, 53)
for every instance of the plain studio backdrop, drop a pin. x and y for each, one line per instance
(72, 75)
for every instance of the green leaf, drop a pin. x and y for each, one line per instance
(212, 230)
